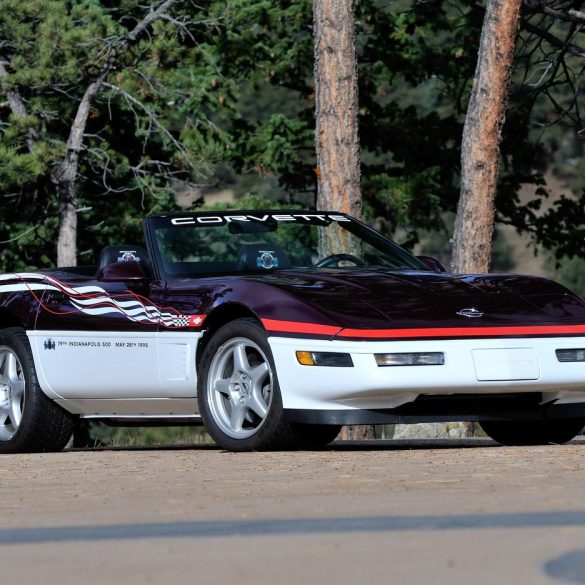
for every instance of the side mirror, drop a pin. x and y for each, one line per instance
(432, 263)
(129, 271)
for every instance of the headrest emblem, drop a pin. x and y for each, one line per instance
(267, 259)
(128, 256)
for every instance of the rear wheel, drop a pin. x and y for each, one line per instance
(538, 432)
(29, 421)
(238, 393)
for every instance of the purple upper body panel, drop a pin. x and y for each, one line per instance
(300, 273)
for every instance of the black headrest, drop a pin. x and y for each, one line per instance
(262, 257)
(124, 253)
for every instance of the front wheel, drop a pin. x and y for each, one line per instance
(538, 432)
(238, 393)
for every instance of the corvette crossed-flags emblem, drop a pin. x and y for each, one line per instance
(184, 321)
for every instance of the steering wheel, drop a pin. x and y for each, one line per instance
(334, 259)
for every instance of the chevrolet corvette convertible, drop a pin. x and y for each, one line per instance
(274, 328)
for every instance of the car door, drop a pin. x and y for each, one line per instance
(190, 302)
(97, 338)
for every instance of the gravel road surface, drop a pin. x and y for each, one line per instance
(400, 512)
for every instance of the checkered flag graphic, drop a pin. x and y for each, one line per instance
(180, 321)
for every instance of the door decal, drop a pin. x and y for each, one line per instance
(94, 300)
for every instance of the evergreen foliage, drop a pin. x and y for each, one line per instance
(223, 91)
(417, 61)
(148, 128)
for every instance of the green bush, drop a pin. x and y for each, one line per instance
(103, 435)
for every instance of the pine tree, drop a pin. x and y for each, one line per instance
(106, 106)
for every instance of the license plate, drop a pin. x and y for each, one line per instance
(506, 364)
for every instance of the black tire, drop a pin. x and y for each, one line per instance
(231, 390)
(538, 432)
(315, 435)
(43, 425)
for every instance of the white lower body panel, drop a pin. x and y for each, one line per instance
(115, 365)
(472, 366)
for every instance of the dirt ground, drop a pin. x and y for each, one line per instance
(443, 511)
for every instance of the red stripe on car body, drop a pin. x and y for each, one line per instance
(299, 327)
(423, 332)
(464, 331)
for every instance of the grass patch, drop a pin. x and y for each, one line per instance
(104, 435)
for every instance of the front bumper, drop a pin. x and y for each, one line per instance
(367, 386)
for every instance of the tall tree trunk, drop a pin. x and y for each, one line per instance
(67, 239)
(480, 149)
(336, 90)
(65, 180)
(482, 134)
(336, 135)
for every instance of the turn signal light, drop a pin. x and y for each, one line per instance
(571, 355)
(434, 358)
(324, 358)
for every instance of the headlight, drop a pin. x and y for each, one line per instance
(434, 358)
(324, 358)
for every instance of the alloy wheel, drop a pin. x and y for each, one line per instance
(12, 385)
(240, 386)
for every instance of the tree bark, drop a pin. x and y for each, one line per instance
(336, 91)
(18, 107)
(356, 433)
(14, 100)
(336, 134)
(480, 150)
(482, 134)
(65, 180)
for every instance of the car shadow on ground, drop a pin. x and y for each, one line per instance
(339, 446)
(363, 445)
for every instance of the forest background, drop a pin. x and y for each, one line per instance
(218, 97)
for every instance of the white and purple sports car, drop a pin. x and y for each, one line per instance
(274, 328)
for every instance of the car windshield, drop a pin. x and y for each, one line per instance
(227, 243)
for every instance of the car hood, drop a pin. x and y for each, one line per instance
(382, 299)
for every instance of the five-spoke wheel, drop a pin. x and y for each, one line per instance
(238, 393)
(240, 384)
(12, 385)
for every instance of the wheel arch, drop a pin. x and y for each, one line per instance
(219, 317)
